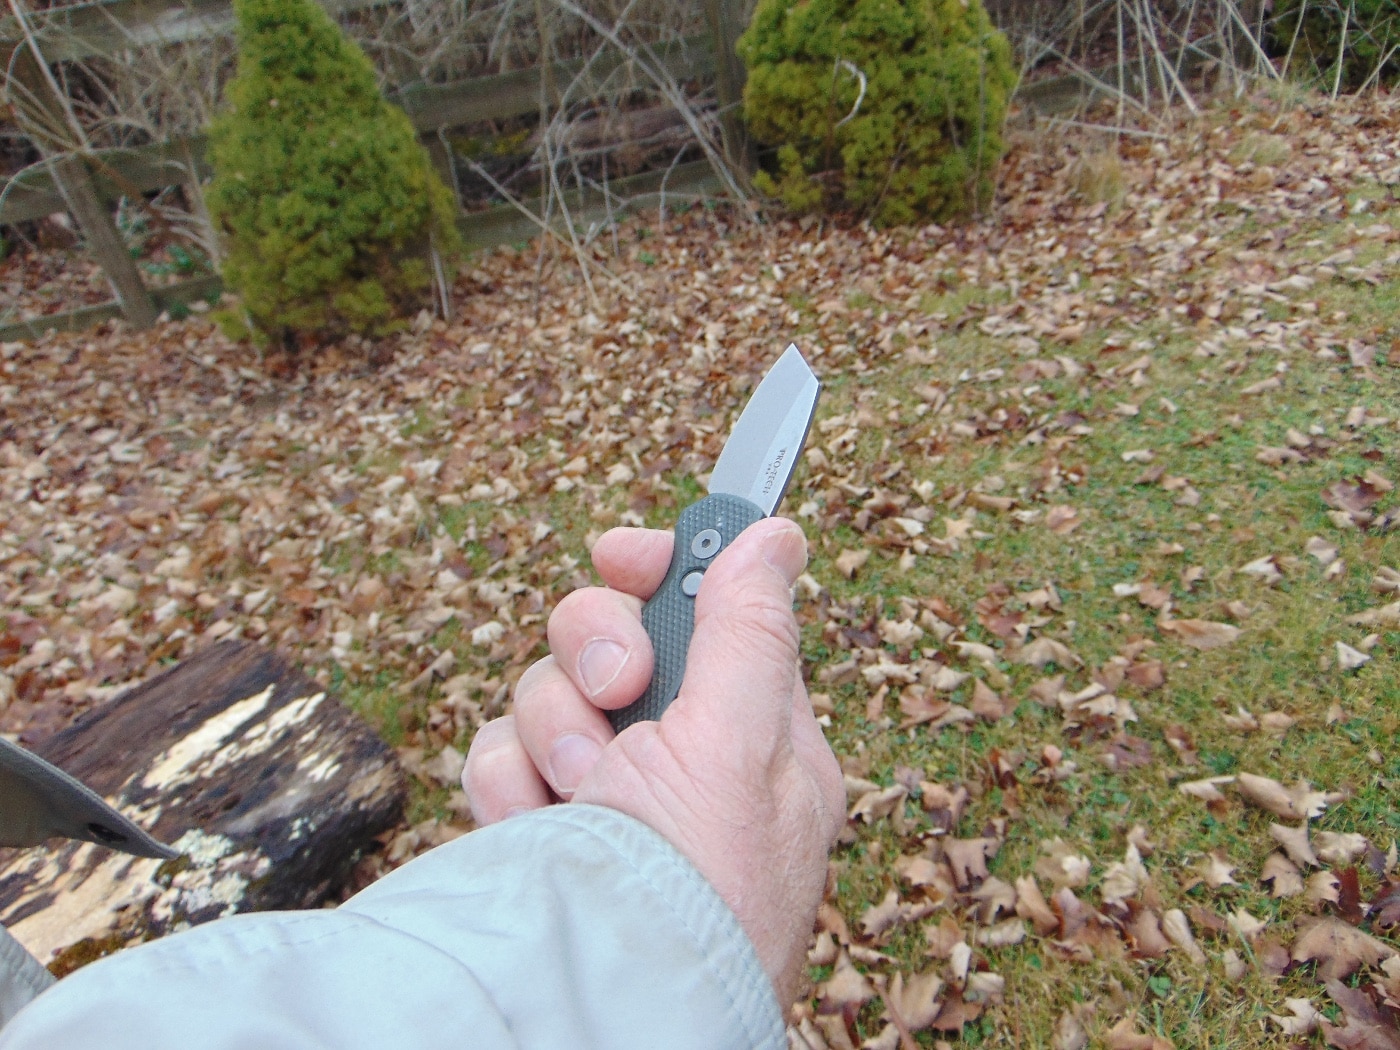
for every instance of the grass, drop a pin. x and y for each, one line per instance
(1132, 530)
(962, 366)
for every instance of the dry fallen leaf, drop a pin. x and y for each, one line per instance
(1323, 887)
(1125, 878)
(849, 562)
(1178, 930)
(1247, 925)
(1031, 904)
(1349, 659)
(985, 703)
(1384, 616)
(1235, 968)
(1303, 1020)
(874, 805)
(1300, 802)
(1265, 569)
(1200, 634)
(1002, 934)
(1062, 865)
(1282, 875)
(1295, 844)
(1368, 1026)
(1276, 723)
(846, 986)
(1207, 790)
(1215, 869)
(1339, 848)
(1069, 1032)
(880, 917)
(1061, 519)
(1338, 948)
(916, 1000)
(1125, 1036)
(943, 938)
(1242, 721)
(1324, 552)
(1044, 651)
(968, 858)
(921, 871)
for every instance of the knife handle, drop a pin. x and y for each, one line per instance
(703, 530)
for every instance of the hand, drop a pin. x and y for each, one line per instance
(736, 774)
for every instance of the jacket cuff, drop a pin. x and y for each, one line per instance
(604, 916)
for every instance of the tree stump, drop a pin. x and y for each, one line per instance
(270, 788)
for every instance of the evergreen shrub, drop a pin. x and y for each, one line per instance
(326, 203)
(1364, 35)
(924, 140)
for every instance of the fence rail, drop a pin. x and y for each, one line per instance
(432, 108)
(108, 27)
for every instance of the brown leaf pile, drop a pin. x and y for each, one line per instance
(402, 519)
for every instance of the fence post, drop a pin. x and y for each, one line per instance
(94, 218)
(725, 20)
(103, 238)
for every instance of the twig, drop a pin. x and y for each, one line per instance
(21, 17)
(674, 161)
(1165, 70)
(1375, 73)
(1259, 53)
(1088, 77)
(670, 90)
(440, 278)
(524, 209)
(1341, 51)
(850, 67)
(1297, 30)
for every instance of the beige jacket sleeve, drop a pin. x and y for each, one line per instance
(571, 927)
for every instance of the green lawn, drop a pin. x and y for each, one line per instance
(1102, 510)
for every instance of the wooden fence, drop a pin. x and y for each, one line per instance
(87, 187)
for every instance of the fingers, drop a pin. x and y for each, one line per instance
(561, 731)
(743, 662)
(601, 659)
(633, 560)
(499, 778)
(597, 639)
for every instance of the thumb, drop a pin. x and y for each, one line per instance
(742, 665)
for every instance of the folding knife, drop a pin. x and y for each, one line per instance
(748, 483)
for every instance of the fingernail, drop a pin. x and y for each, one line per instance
(600, 662)
(570, 760)
(515, 811)
(786, 551)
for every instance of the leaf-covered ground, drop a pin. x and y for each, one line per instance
(1104, 603)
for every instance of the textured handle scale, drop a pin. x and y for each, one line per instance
(669, 617)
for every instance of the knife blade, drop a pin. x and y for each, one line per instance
(747, 484)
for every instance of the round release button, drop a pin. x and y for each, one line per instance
(690, 582)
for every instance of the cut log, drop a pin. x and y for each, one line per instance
(270, 789)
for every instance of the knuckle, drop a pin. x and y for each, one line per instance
(769, 619)
(572, 605)
(530, 681)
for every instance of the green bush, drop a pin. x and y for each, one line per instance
(1364, 35)
(326, 203)
(926, 137)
